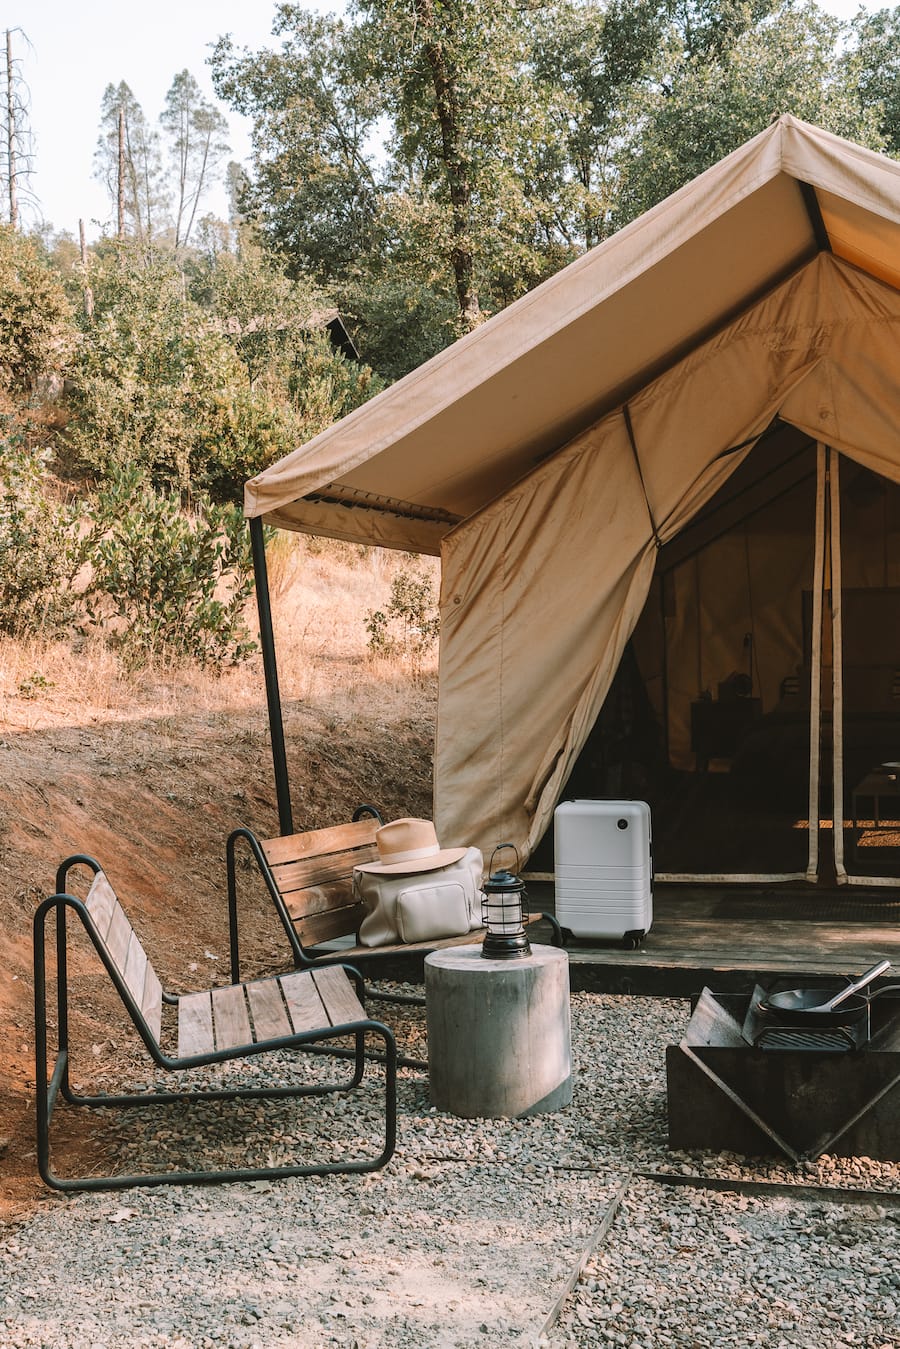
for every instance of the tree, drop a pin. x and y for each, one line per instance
(197, 142)
(128, 160)
(514, 134)
(175, 384)
(598, 59)
(16, 133)
(314, 105)
(722, 75)
(437, 228)
(873, 65)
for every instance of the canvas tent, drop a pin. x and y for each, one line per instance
(746, 330)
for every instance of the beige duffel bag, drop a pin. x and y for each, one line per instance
(444, 902)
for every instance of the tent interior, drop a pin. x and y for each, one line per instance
(708, 717)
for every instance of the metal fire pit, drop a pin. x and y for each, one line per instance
(738, 1084)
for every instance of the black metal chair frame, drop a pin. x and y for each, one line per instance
(48, 1089)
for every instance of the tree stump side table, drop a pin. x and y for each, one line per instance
(499, 1032)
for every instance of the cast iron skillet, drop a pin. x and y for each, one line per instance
(805, 1006)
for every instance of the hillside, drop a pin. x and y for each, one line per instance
(150, 775)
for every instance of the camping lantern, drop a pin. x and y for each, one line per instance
(503, 912)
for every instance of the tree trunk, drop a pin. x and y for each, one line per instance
(120, 177)
(87, 291)
(462, 258)
(11, 134)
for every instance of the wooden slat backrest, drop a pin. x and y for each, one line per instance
(320, 899)
(298, 874)
(341, 920)
(123, 946)
(313, 873)
(319, 842)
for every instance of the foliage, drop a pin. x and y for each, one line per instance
(432, 160)
(160, 574)
(873, 66)
(427, 230)
(409, 625)
(722, 75)
(37, 330)
(39, 548)
(201, 395)
(315, 105)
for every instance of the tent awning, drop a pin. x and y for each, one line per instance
(453, 435)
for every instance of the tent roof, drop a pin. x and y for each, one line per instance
(441, 443)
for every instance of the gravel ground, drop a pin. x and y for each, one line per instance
(473, 1233)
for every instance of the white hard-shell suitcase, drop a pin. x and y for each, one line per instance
(604, 869)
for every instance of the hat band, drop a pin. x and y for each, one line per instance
(411, 855)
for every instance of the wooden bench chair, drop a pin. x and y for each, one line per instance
(302, 1010)
(309, 878)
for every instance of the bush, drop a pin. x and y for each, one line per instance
(200, 397)
(409, 626)
(39, 548)
(37, 327)
(169, 585)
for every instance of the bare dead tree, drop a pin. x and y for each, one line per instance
(11, 134)
(120, 176)
(17, 133)
(87, 291)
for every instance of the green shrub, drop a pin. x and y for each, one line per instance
(202, 398)
(37, 327)
(39, 548)
(409, 626)
(168, 585)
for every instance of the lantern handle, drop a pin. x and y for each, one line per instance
(499, 848)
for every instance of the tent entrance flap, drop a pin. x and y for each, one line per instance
(757, 705)
(709, 713)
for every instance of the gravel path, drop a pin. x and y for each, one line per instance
(471, 1235)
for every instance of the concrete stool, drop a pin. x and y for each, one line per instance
(499, 1032)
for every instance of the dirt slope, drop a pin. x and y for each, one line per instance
(153, 798)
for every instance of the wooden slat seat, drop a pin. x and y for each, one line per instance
(265, 1009)
(289, 1011)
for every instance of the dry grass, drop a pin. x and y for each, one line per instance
(321, 592)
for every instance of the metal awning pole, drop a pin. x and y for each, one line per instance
(267, 642)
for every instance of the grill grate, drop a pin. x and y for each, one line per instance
(835, 1041)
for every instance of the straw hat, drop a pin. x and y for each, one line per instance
(406, 847)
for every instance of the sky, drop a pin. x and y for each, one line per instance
(74, 50)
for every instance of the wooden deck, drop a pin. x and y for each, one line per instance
(727, 939)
